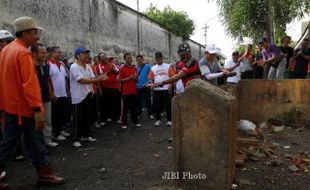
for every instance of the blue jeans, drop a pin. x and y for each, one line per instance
(33, 140)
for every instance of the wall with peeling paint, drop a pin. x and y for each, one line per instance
(97, 24)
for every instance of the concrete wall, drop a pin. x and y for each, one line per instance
(97, 24)
(260, 100)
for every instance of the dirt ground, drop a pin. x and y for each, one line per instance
(133, 159)
(136, 159)
(289, 147)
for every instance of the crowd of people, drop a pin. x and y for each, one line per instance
(48, 99)
(270, 61)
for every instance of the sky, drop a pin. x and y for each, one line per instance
(204, 12)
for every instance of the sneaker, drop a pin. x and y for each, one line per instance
(97, 125)
(170, 139)
(19, 158)
(102, 124)
(138, 125)
(169, 123)
(109, 120)
(2, 175)
(158, 123)
(89, 139)
(61, 138)
(124, 127)
(77, 144)
(119, 122)
(51, 144)
(151, 117)
(65, 134)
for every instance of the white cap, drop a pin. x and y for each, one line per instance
(211, 49)
(4, 34)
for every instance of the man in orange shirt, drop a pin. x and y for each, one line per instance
(22, 103)
(5, 38)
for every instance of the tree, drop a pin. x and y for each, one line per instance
(253, 18)
(177, 22)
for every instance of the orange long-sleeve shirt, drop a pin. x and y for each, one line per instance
(20, 91)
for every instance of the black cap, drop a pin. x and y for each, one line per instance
(158, 54)
(261, 40)
(235, 53)
(184, 48)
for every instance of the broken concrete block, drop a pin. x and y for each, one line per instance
(247, 141)
(293, 168)
(204, 136)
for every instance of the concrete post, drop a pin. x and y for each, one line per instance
(204, 133)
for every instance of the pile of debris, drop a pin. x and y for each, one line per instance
(254, 146)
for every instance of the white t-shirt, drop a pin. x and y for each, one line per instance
(161, 73)
(80, 91)
(245, 65)
(234, 79)
(179, 87)
(58, 77)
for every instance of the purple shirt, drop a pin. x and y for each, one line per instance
(271, 52)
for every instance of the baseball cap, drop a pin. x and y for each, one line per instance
(211, 49)
(81, 50)
(184, 48)
(6, 35)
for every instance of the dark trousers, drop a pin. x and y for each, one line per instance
(130, 104)
(59, 113)
(247, 75)
(258, 72)
(94, 109)
(300, 76)
(162, 99)
(144, 96)
(82, 118)
(33, 140)
(110, 104)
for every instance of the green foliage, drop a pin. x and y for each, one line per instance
(177, 22)
(250, 17)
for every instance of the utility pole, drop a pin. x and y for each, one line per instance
(269, 33)
(205, 28)
(138, 27)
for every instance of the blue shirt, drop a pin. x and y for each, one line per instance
(143, 75)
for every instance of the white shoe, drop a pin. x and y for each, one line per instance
(52, 144)
(138, 125)
(77, 144)
(65, 134)
(124, 127)
(169, 123)
(119, 122)
(61, 138)
(89, 139)
(158, 123)
(109, 120)
(97, 125)
(102, 124)
(151, 117)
